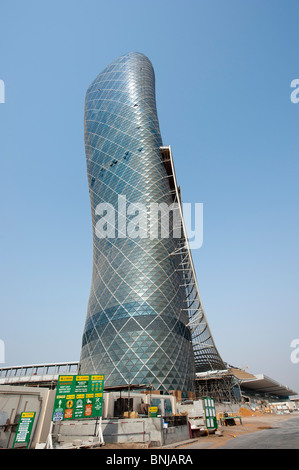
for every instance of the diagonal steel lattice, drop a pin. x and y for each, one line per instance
(145, 323)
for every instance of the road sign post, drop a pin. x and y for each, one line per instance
(78, 397)
(210, 413)
(23, 434)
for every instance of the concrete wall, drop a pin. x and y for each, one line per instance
(228, 408)
(146, 430)
(175, 434)
(16, 399)
(120, 431)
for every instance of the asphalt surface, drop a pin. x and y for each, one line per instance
(285, 435)
(280, 435)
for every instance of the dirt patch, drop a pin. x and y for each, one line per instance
(266, 427)
(244, 412)
(126, 445)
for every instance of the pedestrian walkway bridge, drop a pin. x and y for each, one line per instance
(43, 375)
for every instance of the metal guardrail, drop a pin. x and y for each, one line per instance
(36, 373)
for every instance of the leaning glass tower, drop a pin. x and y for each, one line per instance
(145, 323)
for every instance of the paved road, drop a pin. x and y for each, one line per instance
(285, 435)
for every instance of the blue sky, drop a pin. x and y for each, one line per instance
(223, 72)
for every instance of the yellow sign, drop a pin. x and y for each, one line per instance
(82, 377)
(153, 409)
(66, 378)
(27, 415)
(97, 377)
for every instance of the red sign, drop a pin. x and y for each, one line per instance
(68, 413)
(88, 410)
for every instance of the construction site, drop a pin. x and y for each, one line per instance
(135, 416)
(149, 373)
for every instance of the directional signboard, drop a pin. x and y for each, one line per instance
(23, 434)
(78, 396)
(210, 412)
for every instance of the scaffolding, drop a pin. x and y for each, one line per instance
(223, 386)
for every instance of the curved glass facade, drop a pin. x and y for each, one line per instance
(136, 330)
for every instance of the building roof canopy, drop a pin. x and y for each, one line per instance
(263, 384)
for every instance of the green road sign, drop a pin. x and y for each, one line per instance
(22, 436)
(78, 396)
(210, 412)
